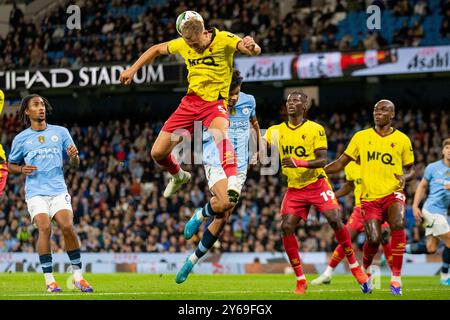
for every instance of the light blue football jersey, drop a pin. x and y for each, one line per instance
(238, 133)
(44, 149)
(437, 175)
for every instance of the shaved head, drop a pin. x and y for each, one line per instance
(383, 113)
(385, 102)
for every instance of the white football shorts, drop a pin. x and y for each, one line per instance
(215, 174)
(49, 204)
(440, 225)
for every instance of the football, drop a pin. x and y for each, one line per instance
(185, 16)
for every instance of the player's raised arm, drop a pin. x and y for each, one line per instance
(147, 57)
(338, 165)
(249, 47)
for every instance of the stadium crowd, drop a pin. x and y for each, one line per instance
(119, 31)
(117, 191)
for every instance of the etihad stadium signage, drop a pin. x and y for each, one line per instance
(86, 76)
(262, 68)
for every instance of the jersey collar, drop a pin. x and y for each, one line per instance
(393, 130)
(292, 127)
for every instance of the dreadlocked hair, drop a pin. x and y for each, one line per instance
(24, 106)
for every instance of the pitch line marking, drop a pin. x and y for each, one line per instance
(189, 293)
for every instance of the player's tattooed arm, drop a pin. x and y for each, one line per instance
(21, 169)
(338, 165)
(419, 195)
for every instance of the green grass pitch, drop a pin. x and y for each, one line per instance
(131, 286)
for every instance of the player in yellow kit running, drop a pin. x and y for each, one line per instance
(355, 223)
(387, 162)
(302, 146)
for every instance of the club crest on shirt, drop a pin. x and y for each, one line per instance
(54, 138)
(245, 111)
(41, 139)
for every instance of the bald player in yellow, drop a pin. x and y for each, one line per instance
(3, 165)
(208, 55)
(355, 223)
(387, 162)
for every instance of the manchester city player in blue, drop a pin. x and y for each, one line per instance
(434, 211)
(242, 116)
(38, 153)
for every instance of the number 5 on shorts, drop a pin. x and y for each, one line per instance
(399, 195)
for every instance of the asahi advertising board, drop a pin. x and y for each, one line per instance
(261, 68)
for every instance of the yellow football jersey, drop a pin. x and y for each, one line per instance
(298, 142)
(353, 173)
(209, 72)
(380, 158)
(2, 154)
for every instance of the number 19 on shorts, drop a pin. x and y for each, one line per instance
(328, 195)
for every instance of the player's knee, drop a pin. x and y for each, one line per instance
(336, 224)
(223, 205)
(287, 228)
(431, 248)
(157, 154)
(374, 239)
(397, 225)
(66, 228)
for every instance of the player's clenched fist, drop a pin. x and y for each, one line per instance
(248, 42)
(126, 76)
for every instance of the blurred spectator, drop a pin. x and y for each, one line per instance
(15, 16)
(120, 31)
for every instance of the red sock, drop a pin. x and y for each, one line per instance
(343, 237)
(337, 257)
(368, 253)
(170, 164)
(290, 245)
(227, 157)
(398, 242)
(388, 254)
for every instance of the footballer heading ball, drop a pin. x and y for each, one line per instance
(185, 16)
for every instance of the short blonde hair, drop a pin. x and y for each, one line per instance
(192, 27)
